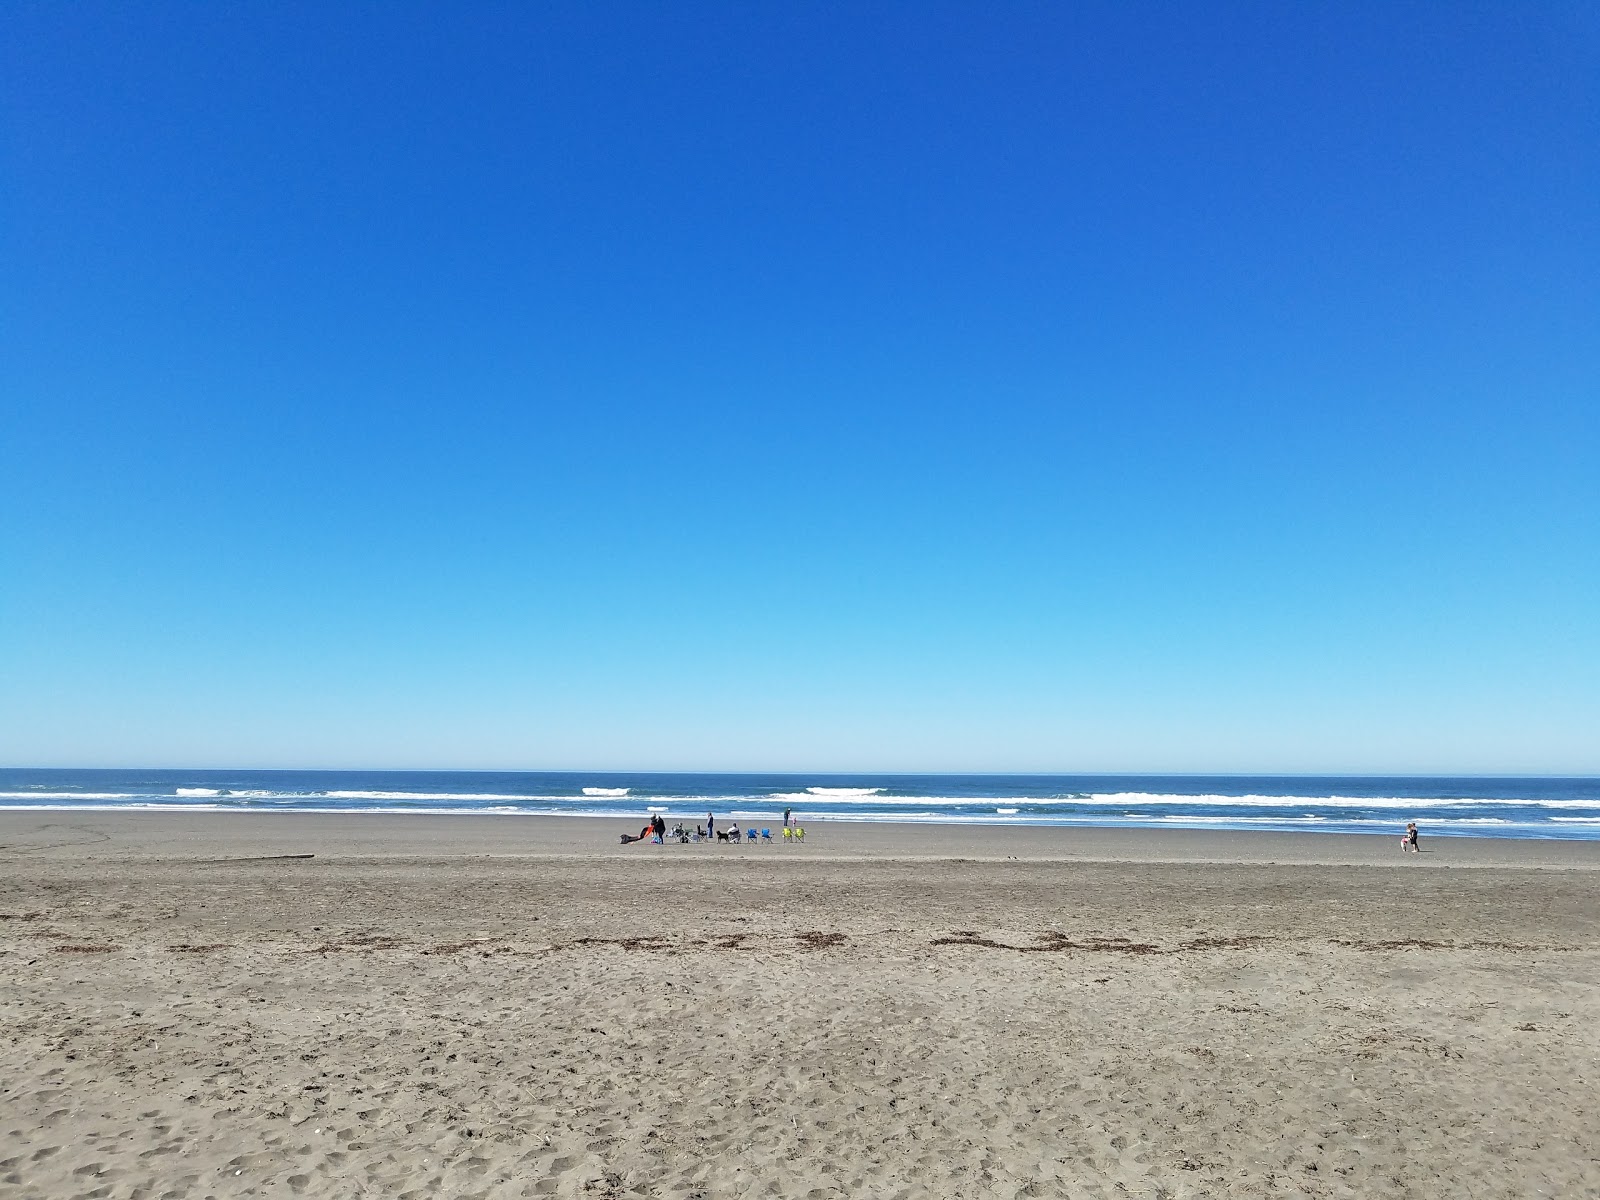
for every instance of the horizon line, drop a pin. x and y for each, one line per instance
(1122, 773)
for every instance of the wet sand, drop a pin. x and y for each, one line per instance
(496, 1007)
(154, 834)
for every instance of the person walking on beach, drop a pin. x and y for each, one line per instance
(711, 826)
(786, 813)
(1411, 838)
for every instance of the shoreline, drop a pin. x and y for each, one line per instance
(163, 834)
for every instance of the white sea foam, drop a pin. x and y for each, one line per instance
(35, 795)
(1314, 819)
(837, 791)
(102, 806)
(866, 796)
(1006, 812)
(1576, 820)
(427, 796)
(1195, 819)
(599, 791)
(199, 791)
(1139, 799)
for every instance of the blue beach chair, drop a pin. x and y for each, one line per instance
(766, 835)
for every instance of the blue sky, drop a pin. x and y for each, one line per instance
(917, 387)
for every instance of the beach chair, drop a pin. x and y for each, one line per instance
(788, 834)
(750, 835)
(766, 835)
(799, 834)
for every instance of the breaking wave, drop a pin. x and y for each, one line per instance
(1553, 808)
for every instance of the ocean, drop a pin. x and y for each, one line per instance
(1481, 806)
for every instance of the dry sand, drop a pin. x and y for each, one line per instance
(483, 1007)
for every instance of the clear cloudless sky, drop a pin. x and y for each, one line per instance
(1022, 387)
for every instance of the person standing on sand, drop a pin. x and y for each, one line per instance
(1411, 837)
(786, 813)
(711, 826)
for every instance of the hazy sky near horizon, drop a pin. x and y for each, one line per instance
(828, 386)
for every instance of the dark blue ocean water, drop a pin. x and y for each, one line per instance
(1538, 807)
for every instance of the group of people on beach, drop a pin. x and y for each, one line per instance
(792, 832)
(655, 831)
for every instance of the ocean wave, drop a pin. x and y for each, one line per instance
(1203, 819)
(1410, 803)
(427, 796)
(1208, 804)
(169, 805)
(1342, 822)
(846, 817)
(871, 796)
(36, 795)
(1138, 800)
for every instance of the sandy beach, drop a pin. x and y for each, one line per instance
(487, 1007)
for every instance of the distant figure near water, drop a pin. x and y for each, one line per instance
(1408, 842)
